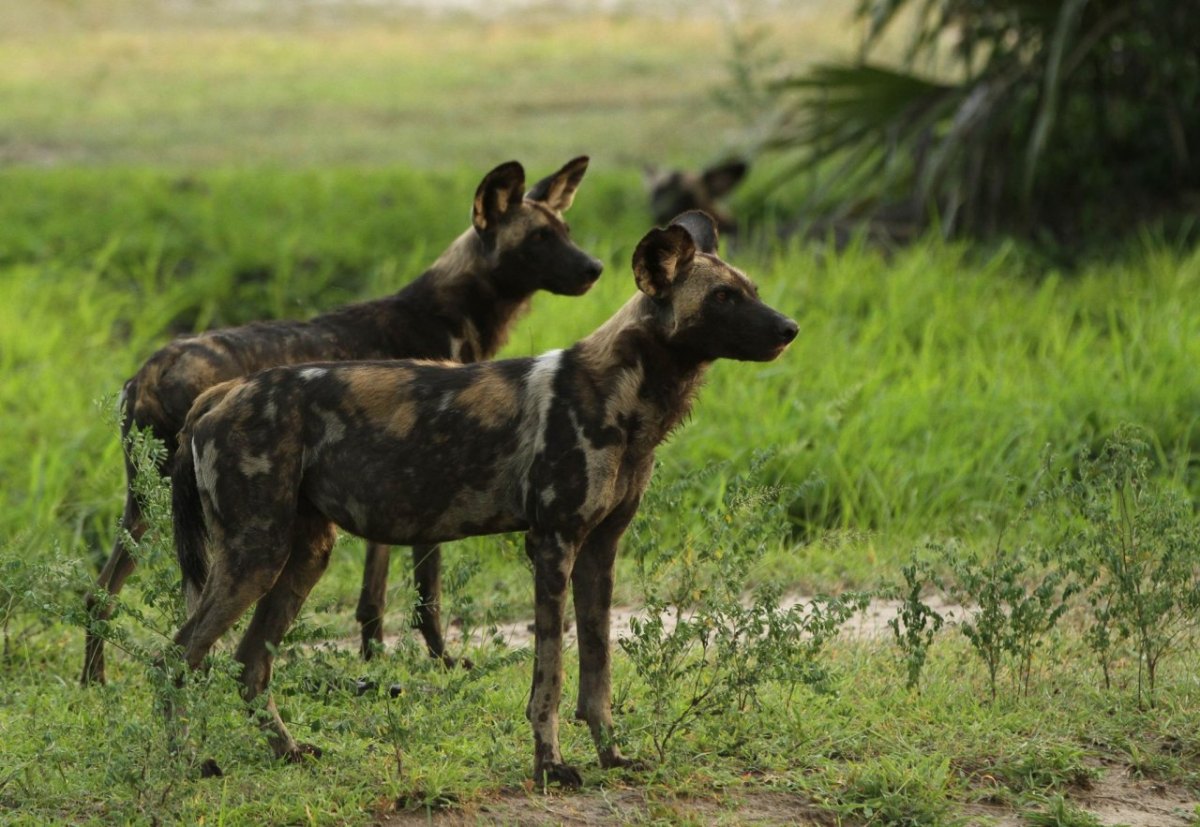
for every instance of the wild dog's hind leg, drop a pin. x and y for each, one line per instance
(592, 583)
(552, 560)
(117, 568)
(226, 596)
(373, 597)
(312, 539)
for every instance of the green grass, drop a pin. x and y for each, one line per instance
(208, 171)
(868, 751)
(141, 84)
(918, 388)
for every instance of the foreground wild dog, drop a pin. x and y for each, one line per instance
(560, 446)
(459, 309)
(676, 191)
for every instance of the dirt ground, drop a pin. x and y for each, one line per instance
(1114, 798)
(867, 625)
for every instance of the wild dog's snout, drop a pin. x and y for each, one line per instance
(592, 270)
(787, 331)
(581, 277)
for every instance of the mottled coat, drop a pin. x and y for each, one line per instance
(460, 309)
(560, 446)
(675, 191)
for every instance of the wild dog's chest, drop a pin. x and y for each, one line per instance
(585, 465)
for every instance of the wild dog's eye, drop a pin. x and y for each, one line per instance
(722, 295)
(544, 233)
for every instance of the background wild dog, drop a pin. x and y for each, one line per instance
(560, 446)
(674, 191)
(461, 308)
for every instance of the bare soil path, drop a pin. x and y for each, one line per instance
(1114, 798)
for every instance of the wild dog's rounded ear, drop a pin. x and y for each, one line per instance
(500, 191)
(557, 191)
(701, 227)
(660, 257)
(720, 179)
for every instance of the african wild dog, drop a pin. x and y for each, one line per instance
(459, 309)
(675, 191)
(560, 446)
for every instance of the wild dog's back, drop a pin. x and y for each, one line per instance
(399, 452)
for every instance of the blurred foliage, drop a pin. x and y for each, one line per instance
(1061, 119)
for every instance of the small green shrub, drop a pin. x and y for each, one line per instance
(890, 792)
(1133, 546)
(1056, 811)
(1013, 607)
(704, 646)
(916, 623)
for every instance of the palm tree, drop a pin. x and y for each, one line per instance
(1008, 115)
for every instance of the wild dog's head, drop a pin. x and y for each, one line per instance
(706, 307)
(527, 233)
(676, 191)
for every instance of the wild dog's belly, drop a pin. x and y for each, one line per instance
(400, 515)
(445, 487)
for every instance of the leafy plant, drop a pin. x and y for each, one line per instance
(916, 623)
(1133, 547)
(1056, 811)
(1012, 115)
(704, 647)
(1014, 607)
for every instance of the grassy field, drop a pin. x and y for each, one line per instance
(170, 171)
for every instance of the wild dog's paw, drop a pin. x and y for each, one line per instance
(301, 753)
(210, 769)
(451, 662)
(366, 686)
(564, 775)
(615, 762)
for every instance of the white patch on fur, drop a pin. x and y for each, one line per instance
(601, 469)
(335, 430)
(456, 346)
(312, 373)
(357, 511)
(535, 409)
(205, 464)
(252, 465)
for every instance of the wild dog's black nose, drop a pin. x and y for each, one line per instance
(595, 268)
(788, 331)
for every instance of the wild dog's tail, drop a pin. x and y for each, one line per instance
(187, 517)
(187, 511)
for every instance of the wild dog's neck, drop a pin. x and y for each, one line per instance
(641, 375)
(475, 297)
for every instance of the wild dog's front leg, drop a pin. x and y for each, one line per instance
(552, 561)
(592, 583)
(427, 617)
(118, 567)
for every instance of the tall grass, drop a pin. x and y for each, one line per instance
(920, 386)
(917, 388)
